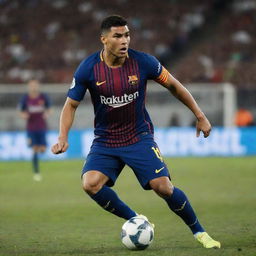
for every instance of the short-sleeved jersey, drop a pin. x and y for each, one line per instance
(118, 96)
(35, 107)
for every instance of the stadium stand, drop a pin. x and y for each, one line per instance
(48, 39)
(226, 54)
(208, 42)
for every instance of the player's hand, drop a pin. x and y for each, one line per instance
(45, 115)
(24, 115)
(60, 147)
(203, 125)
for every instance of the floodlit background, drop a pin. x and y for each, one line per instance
(209, 46)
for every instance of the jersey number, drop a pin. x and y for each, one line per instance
(157, 152)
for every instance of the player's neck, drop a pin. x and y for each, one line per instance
(113, 61)
(33, 95)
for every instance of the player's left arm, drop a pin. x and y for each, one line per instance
(181, 93)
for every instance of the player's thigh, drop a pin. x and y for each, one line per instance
(37, 140)
(103, 160)
(146, 161)
(31, 139)
(41, 140)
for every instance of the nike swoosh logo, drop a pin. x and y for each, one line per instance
(100, 83)
(159, 170)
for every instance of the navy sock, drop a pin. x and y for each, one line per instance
(109, 201)
(35, 162)
(179, 204)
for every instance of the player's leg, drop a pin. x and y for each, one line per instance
(152, 173)
(35, 163)
(180, 205)
(94, 184)
(41, 148)
(38, 141)
(100, 171)
(148, 165)
(177, 202)
(35, 159)
(32, 144)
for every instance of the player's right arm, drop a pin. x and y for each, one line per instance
(24, 115)
(66, 121)
(76, 93)
(22, 107)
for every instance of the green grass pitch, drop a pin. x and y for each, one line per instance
(55, 217)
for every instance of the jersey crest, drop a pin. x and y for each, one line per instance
(133, 80)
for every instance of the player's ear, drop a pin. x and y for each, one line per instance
(103, 38)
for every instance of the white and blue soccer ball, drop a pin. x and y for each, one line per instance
(137, 233)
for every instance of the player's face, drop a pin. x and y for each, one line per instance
(116, 41)
(33, 87)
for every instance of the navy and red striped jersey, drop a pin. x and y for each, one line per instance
(118, 96)
(36, 108)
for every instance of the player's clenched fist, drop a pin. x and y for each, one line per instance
(60, 147)
(203, 125)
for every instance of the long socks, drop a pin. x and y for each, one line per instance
(179, 204)
(35, 163)
(109, 201)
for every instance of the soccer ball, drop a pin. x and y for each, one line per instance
(137, 233)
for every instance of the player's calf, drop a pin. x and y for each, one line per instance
(94, 185)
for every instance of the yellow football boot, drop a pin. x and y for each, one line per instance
(206, 240)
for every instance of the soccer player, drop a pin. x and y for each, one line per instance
(35, 109)
(116, 78)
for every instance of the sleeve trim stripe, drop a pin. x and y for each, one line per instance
(163, 76)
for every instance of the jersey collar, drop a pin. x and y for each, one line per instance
(101, 55)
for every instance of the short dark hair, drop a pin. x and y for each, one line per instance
(112, 21)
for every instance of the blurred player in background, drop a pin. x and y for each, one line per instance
(116, 78)
(35, 108)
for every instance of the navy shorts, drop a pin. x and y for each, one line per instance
(36, 138)
(143, 157)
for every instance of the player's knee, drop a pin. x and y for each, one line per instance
(91, 187)
(162, 186)
(92, 183)
(42, 149)
(36, 149)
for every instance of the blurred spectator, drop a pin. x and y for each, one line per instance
(225, 53)
(49, 38)
(54, 36)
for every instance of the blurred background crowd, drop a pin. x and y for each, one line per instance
(199, 41)
(210, 41)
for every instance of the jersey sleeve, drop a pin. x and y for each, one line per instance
(47, 101)
(78, 86)
(22, 106)
(162, 78)
(152, 65)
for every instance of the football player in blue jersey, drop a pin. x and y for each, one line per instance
(34, 107)
(116, 78)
